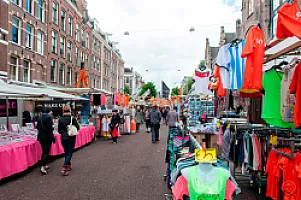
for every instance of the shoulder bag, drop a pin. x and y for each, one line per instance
(72, 130)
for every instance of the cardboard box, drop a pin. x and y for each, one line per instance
(212, 141)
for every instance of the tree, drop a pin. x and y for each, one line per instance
(152, 89)
(175, 91)
(127, 90)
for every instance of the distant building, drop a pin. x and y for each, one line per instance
(132, 79)
(165, 91)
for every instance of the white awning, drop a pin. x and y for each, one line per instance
(79, 91)
(11, 89)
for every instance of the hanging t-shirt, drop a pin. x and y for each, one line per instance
(223, 61)
(221, 92)
(272, 177)
(254, 53)
(289, 21)
(237, 65)
(295, 88)
(202, 81)
(271, 108)
(287, 99)
(103, 100)
(232, 65)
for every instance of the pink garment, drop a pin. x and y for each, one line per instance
(103, 99)
(19, 156)
(181, 188)
(220, 137)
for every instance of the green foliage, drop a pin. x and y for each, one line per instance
(202, 65)
(127, 89)
(175, 91)
(152, 88)
(190, 83)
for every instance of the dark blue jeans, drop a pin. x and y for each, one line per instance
(68, 148)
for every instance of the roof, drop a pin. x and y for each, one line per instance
(127, 70)
(214, 52)
(229, 37)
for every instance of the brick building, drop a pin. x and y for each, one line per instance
(259, 11)
(4, 6)
(48, 40)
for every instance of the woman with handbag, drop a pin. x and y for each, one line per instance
(114, 125)
(45, 137)
(68, 127)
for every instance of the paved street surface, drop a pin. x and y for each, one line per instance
(131, 170)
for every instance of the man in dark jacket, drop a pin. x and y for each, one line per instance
(155, 119)
(45, 136)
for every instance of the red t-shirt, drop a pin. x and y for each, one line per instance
(296, 89)
(254, 53)
(221, 92)
(291, 183)
(273, 174)
(289, 21)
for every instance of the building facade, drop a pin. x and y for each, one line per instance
(132, 79)
(48, 41)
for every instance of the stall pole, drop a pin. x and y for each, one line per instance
(7, 112)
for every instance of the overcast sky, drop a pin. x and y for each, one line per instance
(159, 32)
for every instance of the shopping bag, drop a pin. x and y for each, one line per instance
(115, 132)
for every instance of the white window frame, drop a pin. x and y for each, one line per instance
(32, 6)
(28, 69)
(70, 25)
(40, 42)
(250, 7)
(98, 65)
(69, 75)
(82, 57)
(77, 32)
(87, 41)
(54, 41)
(94, 63)
(63, 20)
(83, 38)
(29, 37)
(76, 55)
(62, 50)
(55, 70)
(16, 68)
(87, 61)
(19, 30)
(19, 3)
(55, 12)
(62, 76)
(69, 51)
(41, 11)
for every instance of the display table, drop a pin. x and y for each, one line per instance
(19, 156)
(84, 136)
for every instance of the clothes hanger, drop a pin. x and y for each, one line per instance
(279, 66)
(235, 42)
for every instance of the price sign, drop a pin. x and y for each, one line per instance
(273, 140)
(208, 156)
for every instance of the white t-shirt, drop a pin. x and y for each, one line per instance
(104, 124)
(202, 81)
(223, 61)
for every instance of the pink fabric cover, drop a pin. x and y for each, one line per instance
(103, 99)
(19, 156)
(84, 136)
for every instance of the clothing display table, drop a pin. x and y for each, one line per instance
(19, 156)
(84, 136)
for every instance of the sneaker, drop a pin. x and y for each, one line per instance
(64, 171)
(43, 171)
(68, 167)
(47, 167)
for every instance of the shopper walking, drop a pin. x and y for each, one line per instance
(155, 119)
(114, 125)
(139, 118)
(68, 142)
(45, 137)
(147, 120)
(172, 118)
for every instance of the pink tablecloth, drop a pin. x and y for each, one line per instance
(84, 136)
(17, 157)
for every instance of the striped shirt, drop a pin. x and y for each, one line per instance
(237, 66)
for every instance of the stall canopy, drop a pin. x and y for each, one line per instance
(79, 91)
(16, 90)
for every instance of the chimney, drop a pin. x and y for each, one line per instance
(238, 27)
(222, 29)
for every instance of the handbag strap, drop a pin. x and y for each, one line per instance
(71, 121)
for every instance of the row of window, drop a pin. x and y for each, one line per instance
(15, 67)
(30, 7)
(29, 36)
